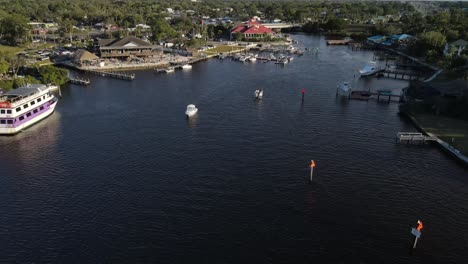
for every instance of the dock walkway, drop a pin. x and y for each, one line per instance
(115, 75)
(413, 138)
(79, 81)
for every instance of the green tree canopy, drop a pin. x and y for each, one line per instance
(13, 28)
(161, 30)
(51, 74)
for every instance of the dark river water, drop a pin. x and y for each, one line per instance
(118, 174)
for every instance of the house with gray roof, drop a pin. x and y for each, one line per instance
(126, 47)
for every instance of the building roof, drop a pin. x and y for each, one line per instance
(449, 88)
(460, 43)
(130, 41)
(376, 38)
(83, 55)
(252, 29)
(401, 36)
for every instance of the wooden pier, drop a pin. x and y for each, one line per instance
(413, 138)
(399, 74)
(115, 75)
(379, 95)
(80, 81)
(338, 41)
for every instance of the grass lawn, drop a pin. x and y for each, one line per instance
(9, 49)
(451, 130)
(223, 49)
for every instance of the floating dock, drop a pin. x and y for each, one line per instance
(338, 41)
(413, 138)
(80, 81)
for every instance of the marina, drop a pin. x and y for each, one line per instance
(282, 179)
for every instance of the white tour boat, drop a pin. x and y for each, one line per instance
(23, 107)
(343, 89)
(258, 94)
(191, 110)
(186, 67)
(369, 69)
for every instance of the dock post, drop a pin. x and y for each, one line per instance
(312, 165)
(416, 232)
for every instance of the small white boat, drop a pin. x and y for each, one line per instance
(191, 110)
(343, 89)
(244, 58)
(290, 58)
(369, 69)
(169, 70)
(258, 94)
(186, 67)
(252, 59)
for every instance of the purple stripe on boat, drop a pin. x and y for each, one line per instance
(33, 115)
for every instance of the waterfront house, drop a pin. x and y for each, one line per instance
(252, 29)
(126, 47)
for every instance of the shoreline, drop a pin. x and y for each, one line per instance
(449, 149)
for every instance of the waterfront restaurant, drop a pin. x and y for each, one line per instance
(252, 29)
(126, 47)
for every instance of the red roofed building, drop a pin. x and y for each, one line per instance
(252, 29)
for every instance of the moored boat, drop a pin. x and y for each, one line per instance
(191, 110)
(169, 70)
(186, 67)
(369, 69)
(259, 94)
(343, 89)
(25, 106)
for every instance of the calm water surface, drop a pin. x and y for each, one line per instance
(118, 174)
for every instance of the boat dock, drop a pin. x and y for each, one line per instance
(338, 41)
(399, 74)
(413, 138)
(80, 81)
(115, 75)
(379, 95)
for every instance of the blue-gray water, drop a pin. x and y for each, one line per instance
(118, 174)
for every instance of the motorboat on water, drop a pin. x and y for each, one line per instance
(169, 70)
(343, 89)
(186, 67)
(282, 61)
(253, 58)
(244, 58)
(191, 110)
(258, 94)
(369, 69)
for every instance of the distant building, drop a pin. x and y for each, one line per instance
(253, 29)
(81, 57)
(126, 47)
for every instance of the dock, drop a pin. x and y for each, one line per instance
(338, 41)
(401, 75)
(380, 95)
(413, 138)
(115, 75)
(80, 81)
